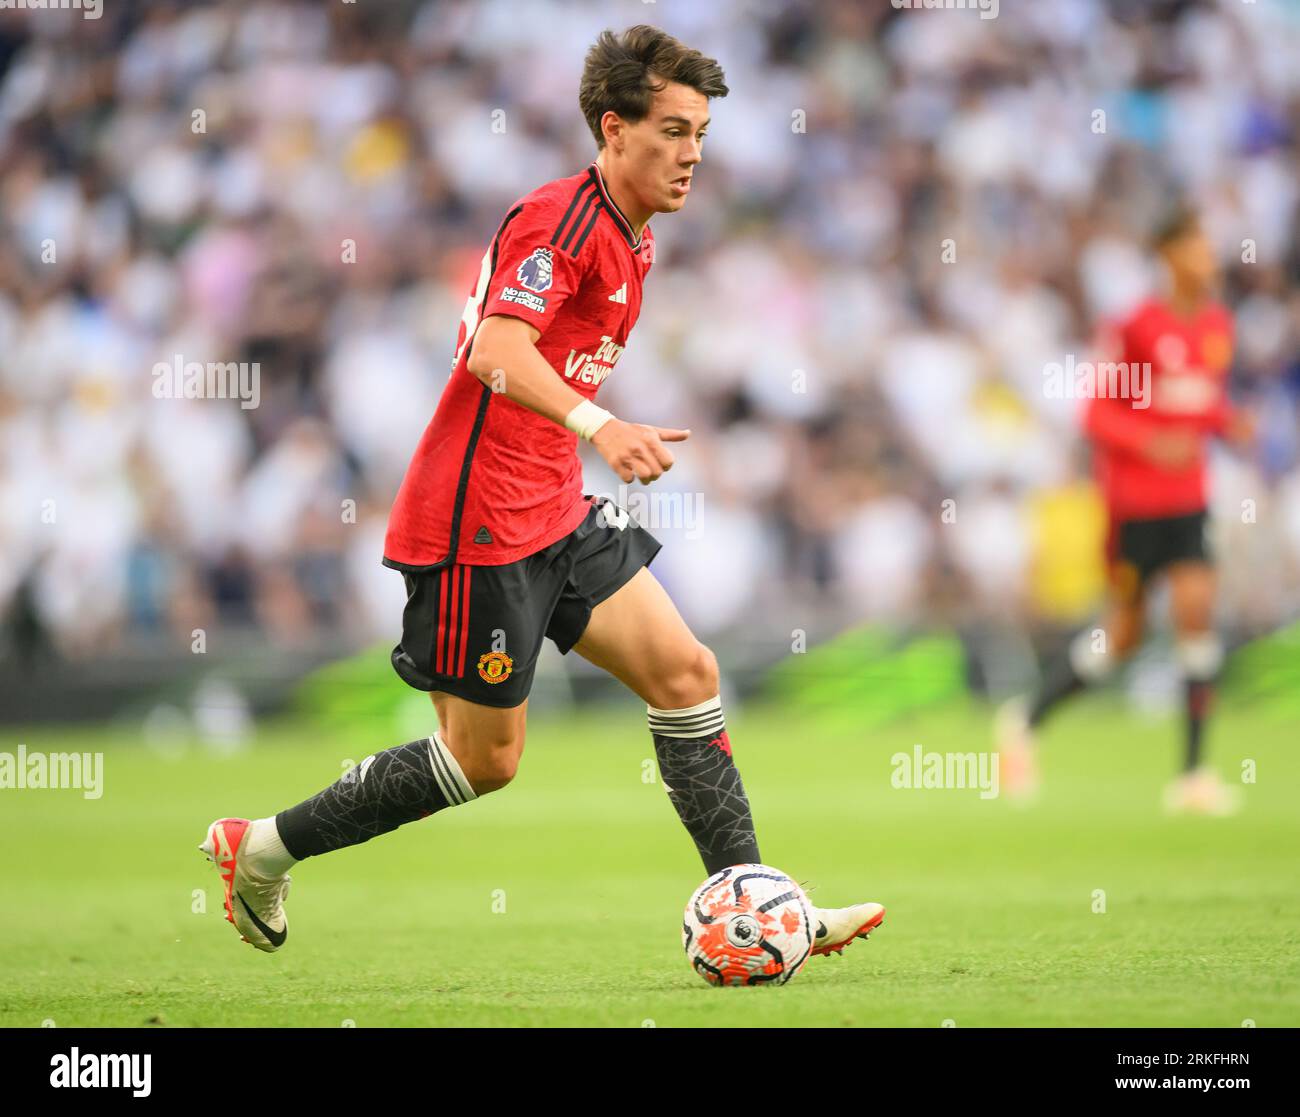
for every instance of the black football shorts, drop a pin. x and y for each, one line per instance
(476, 631)
(1148, 546)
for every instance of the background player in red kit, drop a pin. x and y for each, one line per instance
(498, 544)
(1149, 449)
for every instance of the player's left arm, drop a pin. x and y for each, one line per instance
(1110, 421)
(1233, 424)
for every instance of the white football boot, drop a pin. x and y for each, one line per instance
(1202, 792)
(1017, 752)
(838, 927)
(254, 903)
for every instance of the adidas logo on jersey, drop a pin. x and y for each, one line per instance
(619, 296)
(483, 535)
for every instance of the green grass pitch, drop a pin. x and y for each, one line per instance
(557, 901)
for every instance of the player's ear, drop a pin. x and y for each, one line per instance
(611, 125)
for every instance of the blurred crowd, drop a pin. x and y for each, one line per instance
(902, 218)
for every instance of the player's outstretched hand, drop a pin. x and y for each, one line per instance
(637, 450)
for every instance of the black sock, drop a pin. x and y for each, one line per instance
(381, 793)
(1200, 655)
(1200, 693)
(694, 754)
(1059, 682)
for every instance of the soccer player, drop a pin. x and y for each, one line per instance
(497, 543)
(1149, 449)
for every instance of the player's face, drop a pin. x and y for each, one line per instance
(661, 151)
(1191, 259)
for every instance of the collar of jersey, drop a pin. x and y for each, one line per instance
(611, 207)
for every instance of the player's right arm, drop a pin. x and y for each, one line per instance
(504, 356)
(1115, 423)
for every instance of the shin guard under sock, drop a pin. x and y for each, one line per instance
(694, 755)
(380, 794)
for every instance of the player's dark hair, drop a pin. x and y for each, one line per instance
(623, 72)
(1179, 220)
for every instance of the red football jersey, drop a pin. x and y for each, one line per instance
(1185, 365)
(492, 481)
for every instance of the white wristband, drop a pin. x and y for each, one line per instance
(586, 419)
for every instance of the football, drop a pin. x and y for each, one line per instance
(748, 925)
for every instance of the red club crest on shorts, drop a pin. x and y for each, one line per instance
(494, 667)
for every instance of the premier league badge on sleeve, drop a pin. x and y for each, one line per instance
(535, 272)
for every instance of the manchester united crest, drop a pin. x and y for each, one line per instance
(494, 667)
(1216, 352)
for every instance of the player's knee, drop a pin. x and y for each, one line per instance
(490, 760)
(492, 770)
(494, 774)
(1194, 618)
(694, 680)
